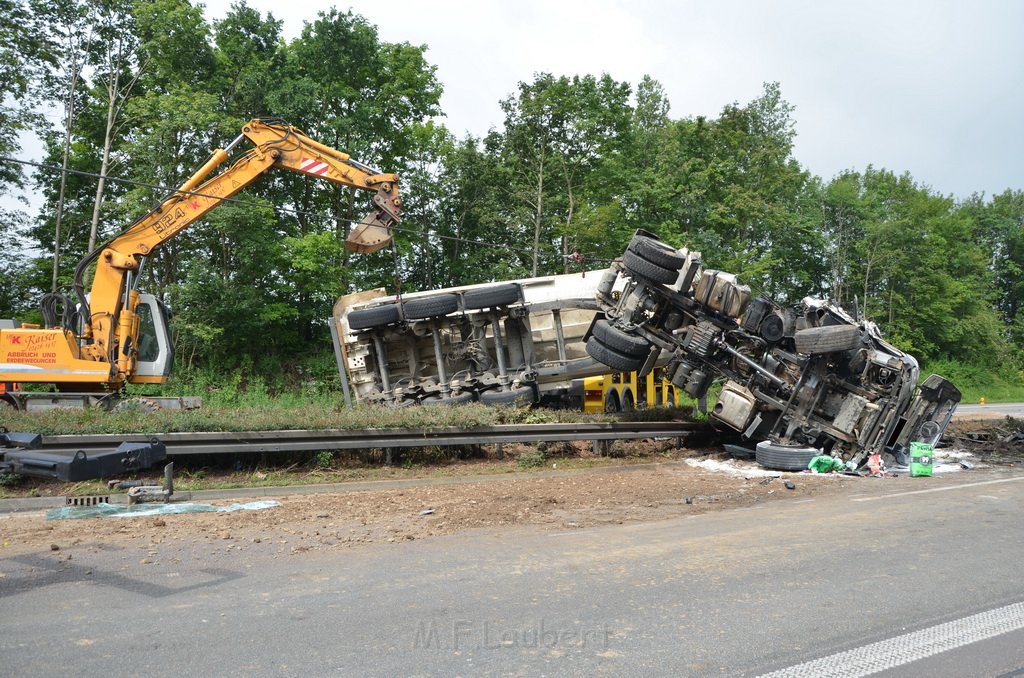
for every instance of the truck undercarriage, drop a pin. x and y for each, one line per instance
(802, 379)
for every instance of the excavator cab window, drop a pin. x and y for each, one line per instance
(156, 352)
(149, 349)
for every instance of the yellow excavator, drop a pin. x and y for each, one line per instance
(118, 335)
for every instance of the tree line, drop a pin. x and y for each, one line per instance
(142, 91)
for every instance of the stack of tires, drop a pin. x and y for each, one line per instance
(436, 306)
(652, 260)
(645, 259)
(617, 348)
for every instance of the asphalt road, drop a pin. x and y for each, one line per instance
(999, 409)
(739, 592)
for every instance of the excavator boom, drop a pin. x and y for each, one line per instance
(104, 355)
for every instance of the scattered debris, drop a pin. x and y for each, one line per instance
(110, 510)
(738, 451)
(123, 484)
(921, 460)
(733, 467)
(998, 443)
(825, 463)
(427, 512)
(155, 493)
(790, 485)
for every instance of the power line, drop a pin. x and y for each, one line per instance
(242, 201)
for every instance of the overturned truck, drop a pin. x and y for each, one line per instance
(516, 342)
(799, 380)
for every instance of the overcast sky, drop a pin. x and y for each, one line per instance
(934, 87)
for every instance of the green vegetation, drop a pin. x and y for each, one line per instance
(994, 385)
(146, 90)
(293, 415)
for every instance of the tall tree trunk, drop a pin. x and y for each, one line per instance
(867, 281)
(538, 212)
(568, 225)
(69, 121)
(108, 140)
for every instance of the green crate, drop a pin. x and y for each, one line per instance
(921, 460)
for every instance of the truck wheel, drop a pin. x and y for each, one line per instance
(611, 403)
(657, 252)
(431, 307)
(462, 398)
(489, 297)
(784, 457)
(377, 316)
(623, 342)
(828, 339)
(612, 358)
(523, 395)
(640, 267)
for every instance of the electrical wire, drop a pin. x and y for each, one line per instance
(241, 201)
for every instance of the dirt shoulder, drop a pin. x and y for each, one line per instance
(350, 519)
(693, 482)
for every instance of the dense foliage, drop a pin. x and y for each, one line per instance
(142, 91)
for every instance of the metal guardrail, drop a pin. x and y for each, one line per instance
(299, 441)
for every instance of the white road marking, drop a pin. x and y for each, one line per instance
(910, 647)
(940, 489)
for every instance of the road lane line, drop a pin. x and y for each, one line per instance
(910, 647)
(940, 489)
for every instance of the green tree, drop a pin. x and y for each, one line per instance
(558, 133)
(1000, 224)
(249, 57)
(22, 57)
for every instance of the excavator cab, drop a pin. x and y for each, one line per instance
(155, 356)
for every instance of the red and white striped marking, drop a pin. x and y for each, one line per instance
(313, 166)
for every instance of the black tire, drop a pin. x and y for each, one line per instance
(641, 268)
(489, 297)
(461, 399)
(784, 457)
(628, 405)
(657, 252)
(612, 358)
(431, 307)
(524, 395)
(623, 342)
(378, 316)
(829, 339)
(611, 403)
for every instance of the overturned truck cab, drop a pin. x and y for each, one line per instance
(803, 379)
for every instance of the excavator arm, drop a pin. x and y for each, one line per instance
(111, 326)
